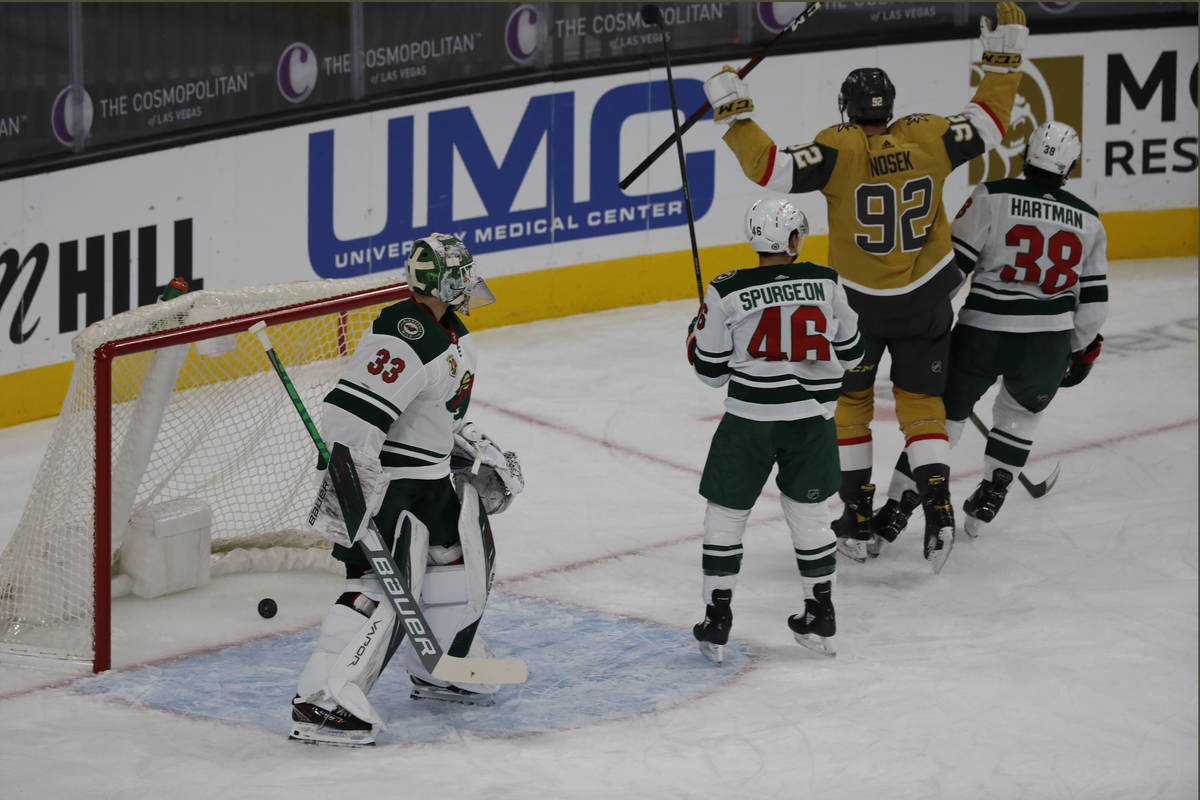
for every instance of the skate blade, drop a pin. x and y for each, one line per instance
(938, 558)
(315, 734)
(713, 652)
(818, 644)
(853, 549)
(438, 693)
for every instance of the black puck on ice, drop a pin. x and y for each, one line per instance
(267, 608)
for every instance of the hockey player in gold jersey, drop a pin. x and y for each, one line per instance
(889, 238)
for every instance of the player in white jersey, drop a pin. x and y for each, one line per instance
(400, 407)
(1038, 297)
(780, 336)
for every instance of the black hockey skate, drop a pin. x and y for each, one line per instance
(939, 523)
(891, 520)
(816, 626)
(713, 632)
(853, 528)
(424, 690)
(313, 724)
(984, 503)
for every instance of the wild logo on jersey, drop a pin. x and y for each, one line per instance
(457, 405)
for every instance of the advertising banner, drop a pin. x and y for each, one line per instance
(527, 177)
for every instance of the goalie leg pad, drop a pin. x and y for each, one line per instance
(350, 651)
(721, 556)
(453, 596)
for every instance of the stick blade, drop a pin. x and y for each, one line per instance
(481, 670)
(1039, 489)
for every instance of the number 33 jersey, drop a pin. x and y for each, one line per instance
(404, 391)
(781, 337)
(1038, 257)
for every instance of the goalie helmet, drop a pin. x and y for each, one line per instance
(1053, 147)
(867, 96)
(770, 223)
(441, 266)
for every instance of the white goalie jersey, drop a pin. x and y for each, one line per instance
(1038, 261)
(405, 391)
(781, 337)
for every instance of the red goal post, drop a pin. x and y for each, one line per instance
(173, 402)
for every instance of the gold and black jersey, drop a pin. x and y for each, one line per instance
(889, 237)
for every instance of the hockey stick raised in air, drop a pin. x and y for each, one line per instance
(1034, 489)
(350, 497)
(699, 113)
(652, 15)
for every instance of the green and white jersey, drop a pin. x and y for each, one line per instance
(781, 337)
(1038, 257)
(404, 391)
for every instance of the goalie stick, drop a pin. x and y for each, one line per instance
(799, 20)
(410, 619)
(1034, 489)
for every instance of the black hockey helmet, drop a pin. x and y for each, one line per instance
(867, 95)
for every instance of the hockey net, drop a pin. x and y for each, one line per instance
(176, 400)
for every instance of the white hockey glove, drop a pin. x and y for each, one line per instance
(325, 517)
(1002, 47)
(495, 473)
(729, 96)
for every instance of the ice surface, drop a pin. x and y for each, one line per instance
(1054, 657)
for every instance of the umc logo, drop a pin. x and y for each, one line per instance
(541, 153)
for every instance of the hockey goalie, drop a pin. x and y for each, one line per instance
(430, 481)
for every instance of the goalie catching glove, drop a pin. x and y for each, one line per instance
(495, 473)
(1002, 47)
(325, 517)
(1081, 362)
(729, 96)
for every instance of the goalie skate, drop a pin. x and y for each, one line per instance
(313, 724)
(816, 626)
(424, 690)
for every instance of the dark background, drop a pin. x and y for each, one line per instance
(135, 50)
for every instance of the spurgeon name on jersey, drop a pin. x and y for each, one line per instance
(405, 390)
(889, 236)
(781, 337)
(1039, 260)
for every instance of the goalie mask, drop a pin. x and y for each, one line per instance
(1053, 147)
(770, 223)
(441, 266)
(867, 96)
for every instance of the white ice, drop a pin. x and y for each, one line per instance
(1054, 657)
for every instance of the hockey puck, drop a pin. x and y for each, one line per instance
(267, 608)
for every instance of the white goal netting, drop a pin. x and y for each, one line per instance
(201, 416)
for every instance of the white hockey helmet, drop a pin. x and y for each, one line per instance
(1054, 147)
(770, 223)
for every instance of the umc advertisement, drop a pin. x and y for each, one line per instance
(528, 178)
